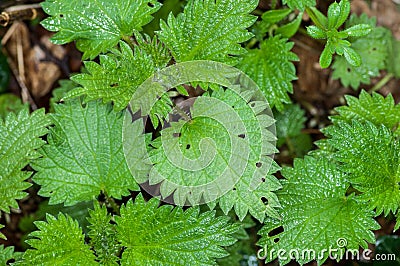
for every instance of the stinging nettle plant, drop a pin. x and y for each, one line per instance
(77, 152)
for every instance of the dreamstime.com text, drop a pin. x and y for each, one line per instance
(334, 253)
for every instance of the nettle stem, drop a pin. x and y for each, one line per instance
(129, 41)
(382, 82)
(182, 113)
(110, 202)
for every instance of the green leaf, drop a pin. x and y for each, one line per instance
(58, 242)
(358, 30)
(372, 50)
(116, 78)
(96, 26)
(370, 155)
(166, 236)
(19, 139)
(289, 123)
(159, 54)
(78, 212)
(58, 94)
(333, 15)
(352, 57)
(302, 144)
(374, 108)
(2, 236)
(341, 16)
(243, 251)
(160, 110)
(274, 16)
(394, 53)
(316, 32)
(240, 253)
(272, 69)
(103, 236)
(9, 103)
(84, 155)
(325, 59)
(6, 254)
(192, 35)
(168, 6)
(210, 119)
(299, 4)
(290, 29)
(319, 19)
(316, 215)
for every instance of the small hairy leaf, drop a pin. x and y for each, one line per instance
(84, 155)
(352, 57)
(19, 139)
(316, 215)
(290, 29)
(316, 32)
(299, 4)
(103, 237)
(116, 78)
(209, 30)
(274, 16)
(96, 26)
(325, 59)
(272, 69)
(320, 20)
(358, 30)
(372, 50)
(338, 13)
(166, 236)
(374, 108)
(58, 242)
(370, 155)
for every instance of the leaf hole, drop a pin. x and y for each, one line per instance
(150, 4)
(252, 104)
(276, 240)
(61, 15)
(264, 200)
(242, 136)
(276, 231)
(176, 135)
(348, 70)
(234, 189)
(114, 85)
(263, 179)
(188, 146)
(259, 164)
